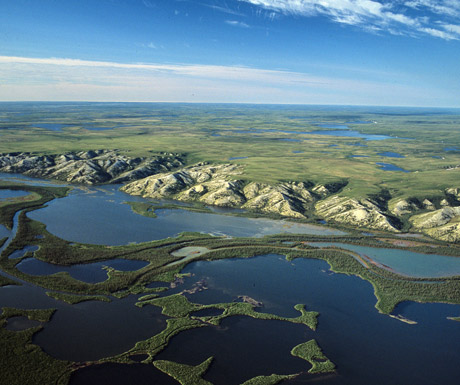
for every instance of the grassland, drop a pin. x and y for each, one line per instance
(216, 133)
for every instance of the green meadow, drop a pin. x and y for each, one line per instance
(273, 141)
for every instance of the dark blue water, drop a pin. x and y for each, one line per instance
(390, 154)
(357, 144)
(91, 272)
(298, 152)
(20, 253)
(451, 149)
(390, 167)
(6, 193)
(367, 347)
(113, 374)
(88, 330)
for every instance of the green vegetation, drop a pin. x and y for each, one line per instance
(25, 363)
(148, 209)
(185, 374)
(140, 130)
(178, 305)
(4, 281)
(73, 299)
(38, 196)
(158, 342)
(311, 352)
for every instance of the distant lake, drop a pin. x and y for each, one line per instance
(352, 134)
(390, 167)
(238, 157)
(51, 126)
(390, 154)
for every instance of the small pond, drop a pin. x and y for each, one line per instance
(351, 134)
(51, 126)
(390, 167)
(390, 154)
(20, 253)
(7, 194)
(91, 272)
(451, 149)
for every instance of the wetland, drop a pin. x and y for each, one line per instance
(98, 286)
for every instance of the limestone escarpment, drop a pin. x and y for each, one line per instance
(88, 167)
(356, 212)
(437, 217)
(218, 185)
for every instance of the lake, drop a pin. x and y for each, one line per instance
(366, 346)
(99, 215)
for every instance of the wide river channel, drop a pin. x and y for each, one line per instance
(367, 347)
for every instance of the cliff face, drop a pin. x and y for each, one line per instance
(218, 185)
(443, 224)
(355, 212)
(88, 167)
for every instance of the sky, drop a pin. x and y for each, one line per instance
(347, 52)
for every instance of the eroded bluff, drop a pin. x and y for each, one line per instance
(88, 167)
(219, 185)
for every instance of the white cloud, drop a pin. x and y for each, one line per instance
(57, 79)
(235, 23)
(390, 16)
(441, 7)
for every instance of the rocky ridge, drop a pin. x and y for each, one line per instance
(218, 185)
(88, 167)
(356, 212)
(438, 217)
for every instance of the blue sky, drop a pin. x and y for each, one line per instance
(360, 52)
